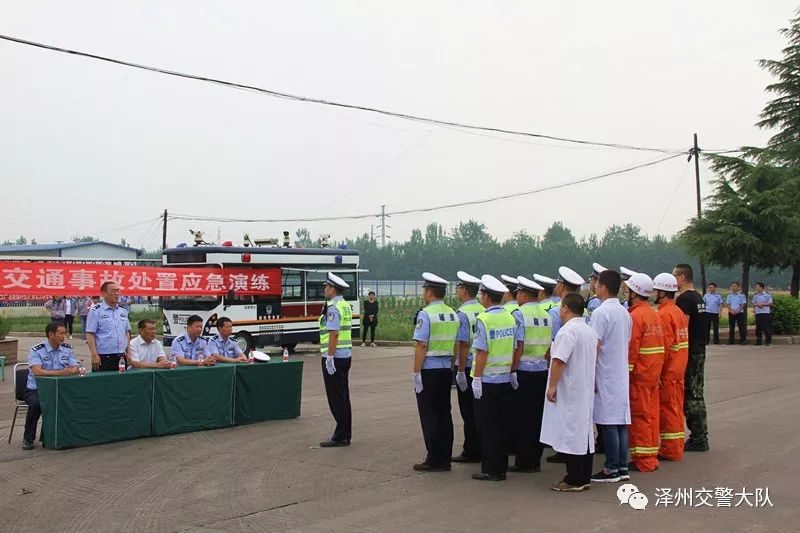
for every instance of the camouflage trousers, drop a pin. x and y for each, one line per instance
(694, 405)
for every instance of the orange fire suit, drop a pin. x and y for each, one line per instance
(675, 325)
(645, 360)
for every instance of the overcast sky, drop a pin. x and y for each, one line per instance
(88, 147)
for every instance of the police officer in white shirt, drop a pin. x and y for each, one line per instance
(145, 350)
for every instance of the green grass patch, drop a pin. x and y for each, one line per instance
(36, 324)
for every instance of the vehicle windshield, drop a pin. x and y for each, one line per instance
(190, 303)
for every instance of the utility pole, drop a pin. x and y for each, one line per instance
(383, 216)
(695, 152)
(164, 232)
(371, 232)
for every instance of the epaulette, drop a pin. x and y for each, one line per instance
(38, 346)
(215, 337)
(66, 345)
(96, 306)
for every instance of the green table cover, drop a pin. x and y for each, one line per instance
(268, 391)
(191, 398)
(108, 406)
(99, 407)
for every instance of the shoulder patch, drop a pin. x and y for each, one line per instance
(215, 337)
(66, 345)
(96, 306)
(38, 346)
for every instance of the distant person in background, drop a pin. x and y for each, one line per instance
(84, 305)
(370, 320)
(57, 307)
(762, 303)
(713, 301)
(125, 302)
(737, 314)
(70, 310)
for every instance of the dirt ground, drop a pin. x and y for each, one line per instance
(273, 477)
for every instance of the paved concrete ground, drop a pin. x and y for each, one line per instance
(272, 477)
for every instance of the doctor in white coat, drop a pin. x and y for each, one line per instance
(567, 423)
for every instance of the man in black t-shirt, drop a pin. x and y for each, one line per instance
(369, 319)
(691, 302)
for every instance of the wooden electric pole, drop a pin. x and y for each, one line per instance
(695, 152)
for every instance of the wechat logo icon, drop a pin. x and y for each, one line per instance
(629, 493)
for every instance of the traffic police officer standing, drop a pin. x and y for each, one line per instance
(336, 346)
(546, 297)
(495, 333)
(467, 316)
(510, 298)
(108, 331)
(51, 358)
(594, 302)
(530, 367)
(435, 336)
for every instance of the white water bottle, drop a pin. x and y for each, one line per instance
(81, 368)
(121, 365)
(201, 360)
(251, 358)
(285, 355)
(172, 362)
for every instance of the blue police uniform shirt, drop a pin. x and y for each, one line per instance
(110, 326)
(713, 302)
(222, 347)
(736, 301)
(765, 298)
(480, 343)
(184, 347)
(50, 359)
(464, 329)
(333, 321)
(422, 333)
(593, 303)
(555, 319)
(539, 365)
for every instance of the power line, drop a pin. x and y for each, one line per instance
(438, 207)
(299, 98)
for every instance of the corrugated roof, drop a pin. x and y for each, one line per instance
(32, 248)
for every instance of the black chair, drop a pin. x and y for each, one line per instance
(20, 382)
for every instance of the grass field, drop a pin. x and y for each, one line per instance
(37, 324)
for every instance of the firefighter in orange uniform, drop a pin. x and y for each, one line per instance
(675, 326)
(645, 360)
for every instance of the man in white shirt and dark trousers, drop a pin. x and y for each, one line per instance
(612, 324)
(145, 350)
(567, 422)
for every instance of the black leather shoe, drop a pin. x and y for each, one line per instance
(425, 467)
(462, 459)
(515, 468)
(489, 477)
(695, 447)
(27, 445)
(557, 457)
(334, 443)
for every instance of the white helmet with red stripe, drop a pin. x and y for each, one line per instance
(641, 284)
(665, 282)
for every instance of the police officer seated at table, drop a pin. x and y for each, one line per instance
(53, 357)
(146, 351)
(221, 348)
(189, 348)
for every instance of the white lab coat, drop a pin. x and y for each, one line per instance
(612, 324)
(567, 423)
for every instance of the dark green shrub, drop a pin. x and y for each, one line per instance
(785, 315)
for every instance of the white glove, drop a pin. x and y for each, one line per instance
(461, 381)
(329, 366)
(417, 378)
(477, 388)
(514, 382)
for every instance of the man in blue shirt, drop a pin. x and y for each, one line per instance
(53, 357)
(713, 301)
(189, 348)
(221, 347)
(762, 303)
(108, 331)
(737, 314)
